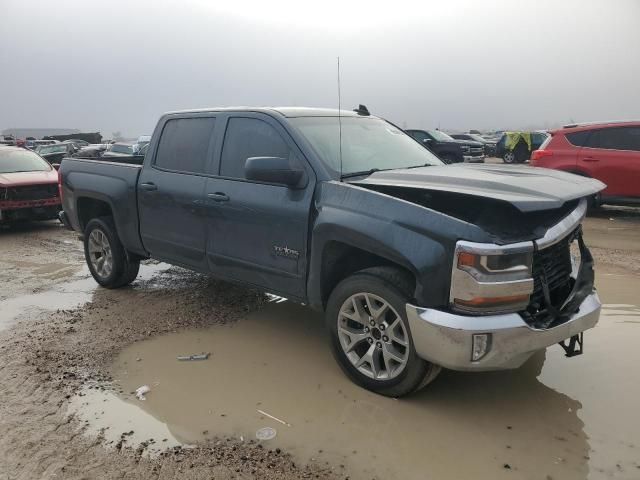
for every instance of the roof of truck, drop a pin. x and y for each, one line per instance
(285, 111)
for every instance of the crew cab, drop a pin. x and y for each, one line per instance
(417, 265)
(448, 149)
(28, 186)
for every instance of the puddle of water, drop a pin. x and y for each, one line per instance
(105, 414)
(566, 418)
(613, 230)
(63, 296)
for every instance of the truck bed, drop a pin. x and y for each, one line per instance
(112, 182)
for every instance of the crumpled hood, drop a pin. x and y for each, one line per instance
(28, 178)
(527, 188)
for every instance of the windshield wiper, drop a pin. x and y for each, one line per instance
(419, 166)
(363, 173)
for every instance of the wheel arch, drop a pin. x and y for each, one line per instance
(339, 259)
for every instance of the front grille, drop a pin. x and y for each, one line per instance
(32, 192)
(476, 152)
(555, 262)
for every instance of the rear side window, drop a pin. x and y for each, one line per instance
(418, 135)
(578, 139)
(619, 138)
(246, 138)
(184, 144)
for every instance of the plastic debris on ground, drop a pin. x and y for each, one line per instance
(141, 391)
(266, 433)
(262, 412)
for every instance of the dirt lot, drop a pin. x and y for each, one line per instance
(71, 354)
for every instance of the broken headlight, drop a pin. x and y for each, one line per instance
(490, 278)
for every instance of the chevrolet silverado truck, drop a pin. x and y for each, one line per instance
(449, 149)
(417, 265)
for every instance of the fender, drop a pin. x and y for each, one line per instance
(115, 192)
(411, 236)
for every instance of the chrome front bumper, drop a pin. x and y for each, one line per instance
(446, 339)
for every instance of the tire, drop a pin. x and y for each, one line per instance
(394, 369)
(101, 241)
(508, 157)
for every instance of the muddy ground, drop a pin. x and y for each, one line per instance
(71, 354)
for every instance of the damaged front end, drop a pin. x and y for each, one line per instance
(508, 301)
(545, 280)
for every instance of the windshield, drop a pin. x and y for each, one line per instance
(52, 149)
(119, 148)
(440, 136)
(367, 143)
(12, 161)
(478, 138)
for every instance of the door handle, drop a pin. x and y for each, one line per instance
(590, 159)
(149, 187)
(218, 197)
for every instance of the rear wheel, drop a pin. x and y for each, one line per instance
(370, 336)
(509, 157)
(108, 262)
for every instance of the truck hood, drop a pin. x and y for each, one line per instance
(17, 179)
(471, 143)
(526, 188)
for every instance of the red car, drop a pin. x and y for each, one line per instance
(28, 186)
(608, 151)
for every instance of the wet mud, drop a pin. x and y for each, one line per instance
(569, 418)
(71, 356)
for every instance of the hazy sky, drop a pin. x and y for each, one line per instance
(117, 65)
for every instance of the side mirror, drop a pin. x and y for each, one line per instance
(272, 170)
(427, 141)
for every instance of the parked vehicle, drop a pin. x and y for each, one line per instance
(448, 149)
(489, 145)
(92, 151)
(28, 186)
(516, 147)
(607, 151)
(78, 143)
(417, 265)
(56, 152)
(119, 149)
(34, 144)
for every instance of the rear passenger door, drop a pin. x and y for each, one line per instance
(257, 232)
(612, 155)
(171, 189)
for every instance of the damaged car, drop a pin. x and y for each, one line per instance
(28, 186)
(417, 265)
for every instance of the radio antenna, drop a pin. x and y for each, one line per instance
(339, 122)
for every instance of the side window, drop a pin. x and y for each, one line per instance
(420, 136)
(184, 144)
(578, 139)
(619, 138)
(246, 138)
(633, 138)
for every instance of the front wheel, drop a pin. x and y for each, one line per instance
(108, 261)
(370, 336)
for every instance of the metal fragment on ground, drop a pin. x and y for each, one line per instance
(189, 358)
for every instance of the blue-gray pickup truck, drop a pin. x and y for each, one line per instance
(417, 265)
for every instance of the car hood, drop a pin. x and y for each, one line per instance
(527, 188)
(17, 179)
(471, 143)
